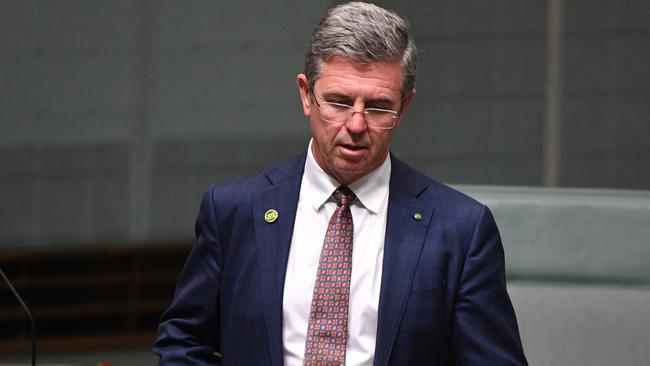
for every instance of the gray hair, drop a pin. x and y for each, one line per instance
(364, 33)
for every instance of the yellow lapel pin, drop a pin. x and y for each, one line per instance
(270, 216)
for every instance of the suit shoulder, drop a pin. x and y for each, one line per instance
(423, 184)
(240, 189)
(454, 212)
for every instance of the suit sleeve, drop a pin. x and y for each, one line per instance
(188, 333)
(485, 329)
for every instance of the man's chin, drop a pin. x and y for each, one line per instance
(347, 172)
(350, 165)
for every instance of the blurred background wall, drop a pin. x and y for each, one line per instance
(116, 115)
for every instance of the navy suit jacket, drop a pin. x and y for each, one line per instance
(443, 293)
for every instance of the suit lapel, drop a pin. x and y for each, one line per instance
(273, 241)
(402, 247)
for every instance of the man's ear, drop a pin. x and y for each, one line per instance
(303, 89)
(405, 105)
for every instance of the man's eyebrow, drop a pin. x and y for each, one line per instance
(336, 95)
(382, 102)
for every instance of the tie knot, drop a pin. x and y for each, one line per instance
(344, 196)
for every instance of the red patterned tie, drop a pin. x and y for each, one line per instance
(327, 333)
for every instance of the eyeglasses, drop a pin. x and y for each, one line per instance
(339, 113)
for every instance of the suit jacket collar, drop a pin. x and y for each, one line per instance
(409, 215)
(273, 241)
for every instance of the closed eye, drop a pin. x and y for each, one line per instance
(339, 105)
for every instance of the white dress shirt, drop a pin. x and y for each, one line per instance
(315, 207)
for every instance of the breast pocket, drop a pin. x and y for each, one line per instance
(429, 287)
(429, 298)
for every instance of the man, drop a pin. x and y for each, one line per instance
(344, 255)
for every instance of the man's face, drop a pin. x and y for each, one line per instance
(351, 150)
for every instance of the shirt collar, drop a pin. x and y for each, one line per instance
(318, 186)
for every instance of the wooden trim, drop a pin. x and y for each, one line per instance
(89, 298)
(86, 310)
(85, 280)
(141, 339)
(96, 251)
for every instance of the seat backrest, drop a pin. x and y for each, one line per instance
(581, 235)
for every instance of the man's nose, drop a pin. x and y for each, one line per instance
(357, 122)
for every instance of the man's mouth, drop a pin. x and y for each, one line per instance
(352, 147)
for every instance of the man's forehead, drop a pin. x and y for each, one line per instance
(338, 74)
(337, 61)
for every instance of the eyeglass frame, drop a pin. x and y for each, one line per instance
(395, 114)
